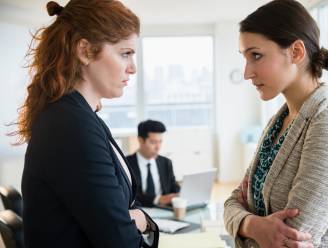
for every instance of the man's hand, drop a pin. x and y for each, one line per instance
(138, 216)
(167, 199)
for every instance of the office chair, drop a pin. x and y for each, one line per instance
(11, 199)
(11, 229)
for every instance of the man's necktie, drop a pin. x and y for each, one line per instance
(150, 190)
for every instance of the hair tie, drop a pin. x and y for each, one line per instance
(54, 8)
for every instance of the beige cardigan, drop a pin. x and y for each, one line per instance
(298, 177)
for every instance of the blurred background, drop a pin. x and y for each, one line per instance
(190, 76)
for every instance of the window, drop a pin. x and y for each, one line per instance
(176, 82)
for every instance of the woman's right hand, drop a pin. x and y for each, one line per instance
(271, 231)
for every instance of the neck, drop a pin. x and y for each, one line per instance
(88, 93)
(298, 92)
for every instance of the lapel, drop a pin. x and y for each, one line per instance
(136, 170)
(308, 109)
(117, 162)
(161, 173)
(79, 99)
(287, 147)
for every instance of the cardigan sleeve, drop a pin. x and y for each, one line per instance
(234, 213)
(309, 191)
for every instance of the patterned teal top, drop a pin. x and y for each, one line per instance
(267, 154)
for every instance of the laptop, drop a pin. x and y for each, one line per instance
(197, 189)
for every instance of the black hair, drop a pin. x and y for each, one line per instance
(284, 22)
(150, 126)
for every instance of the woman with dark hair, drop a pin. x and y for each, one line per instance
(78, 190)
(283, 199)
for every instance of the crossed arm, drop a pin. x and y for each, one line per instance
(305, 215)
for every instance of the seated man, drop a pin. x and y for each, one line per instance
(154, 173)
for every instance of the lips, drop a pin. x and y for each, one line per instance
(258, 86)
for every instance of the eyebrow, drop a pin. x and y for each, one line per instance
(249, 49)
(130, 50)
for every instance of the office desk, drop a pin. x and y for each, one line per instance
(210, 218)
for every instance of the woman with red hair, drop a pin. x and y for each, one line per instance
(77, 187)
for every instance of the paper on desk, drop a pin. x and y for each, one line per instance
(192, 240)
(170, 226)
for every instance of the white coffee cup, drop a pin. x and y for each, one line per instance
(179, 207)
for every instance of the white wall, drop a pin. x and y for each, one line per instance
(238, 105)
(13, 46)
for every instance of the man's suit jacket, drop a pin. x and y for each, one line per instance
(298, 177)
(166, 176)
(75, 191)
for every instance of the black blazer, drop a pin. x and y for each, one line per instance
(75, 192)
(166, 177)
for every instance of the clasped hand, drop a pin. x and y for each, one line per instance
(271, 231)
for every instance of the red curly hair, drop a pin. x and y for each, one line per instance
(55, 68)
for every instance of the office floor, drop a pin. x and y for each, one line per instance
(221, 191)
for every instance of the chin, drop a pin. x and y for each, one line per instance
(154, 155)
(267, 97)
(119, 94)
(113, 95)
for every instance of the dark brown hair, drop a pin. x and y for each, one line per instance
(55, 67)
(284, 22)
(150, 126)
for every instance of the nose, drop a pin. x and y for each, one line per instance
(249, 72)
(132, 69)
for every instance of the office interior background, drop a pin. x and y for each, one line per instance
(190, 76)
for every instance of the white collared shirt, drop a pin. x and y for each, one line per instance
(123, 164)
(142, 162)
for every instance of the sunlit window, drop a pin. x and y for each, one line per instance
(178, 80)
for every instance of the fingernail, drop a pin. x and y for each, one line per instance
(293, 211)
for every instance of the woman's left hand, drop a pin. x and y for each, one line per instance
(138, 216)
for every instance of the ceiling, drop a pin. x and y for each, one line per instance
(150, 11)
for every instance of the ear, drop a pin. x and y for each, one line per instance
(83, 48)
(298, 52)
